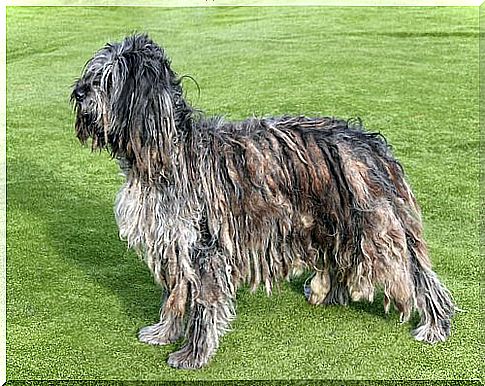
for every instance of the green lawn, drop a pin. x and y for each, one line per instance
(76, 296)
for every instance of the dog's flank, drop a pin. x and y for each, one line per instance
(211, 204)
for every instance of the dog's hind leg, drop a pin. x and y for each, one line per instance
(324, 288)
(171, 325)
(318, 288)
(338, 293)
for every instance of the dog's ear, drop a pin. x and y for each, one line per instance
(141, 104)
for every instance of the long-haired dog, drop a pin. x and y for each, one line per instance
(212, 204)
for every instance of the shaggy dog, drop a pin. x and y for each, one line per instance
(212, 204)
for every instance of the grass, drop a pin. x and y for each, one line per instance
(76, 296)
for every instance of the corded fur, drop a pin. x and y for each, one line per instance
(211, 204)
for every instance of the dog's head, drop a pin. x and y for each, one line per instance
(128, 99)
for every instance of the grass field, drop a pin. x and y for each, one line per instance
(76, 296)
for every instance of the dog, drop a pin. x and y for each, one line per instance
(211, 205)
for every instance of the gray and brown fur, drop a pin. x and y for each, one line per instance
(211, 204)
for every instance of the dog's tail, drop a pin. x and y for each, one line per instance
(432, 300)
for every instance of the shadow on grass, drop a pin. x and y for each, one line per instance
(375, 308)
(79, 223)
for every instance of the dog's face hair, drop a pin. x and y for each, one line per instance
(129, 101)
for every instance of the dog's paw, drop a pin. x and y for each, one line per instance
(185, 358)
(157, 335)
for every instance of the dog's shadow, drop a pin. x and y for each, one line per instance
(78, 222)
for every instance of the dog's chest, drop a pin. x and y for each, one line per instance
(152, 218)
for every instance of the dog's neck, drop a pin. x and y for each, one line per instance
(156, 160)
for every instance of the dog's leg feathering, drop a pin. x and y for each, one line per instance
(205, 326)
(168, 330)
(212, 311)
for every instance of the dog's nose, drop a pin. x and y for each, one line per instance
(79, 94)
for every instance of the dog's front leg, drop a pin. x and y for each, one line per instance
(211, 313)
(171, 325)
